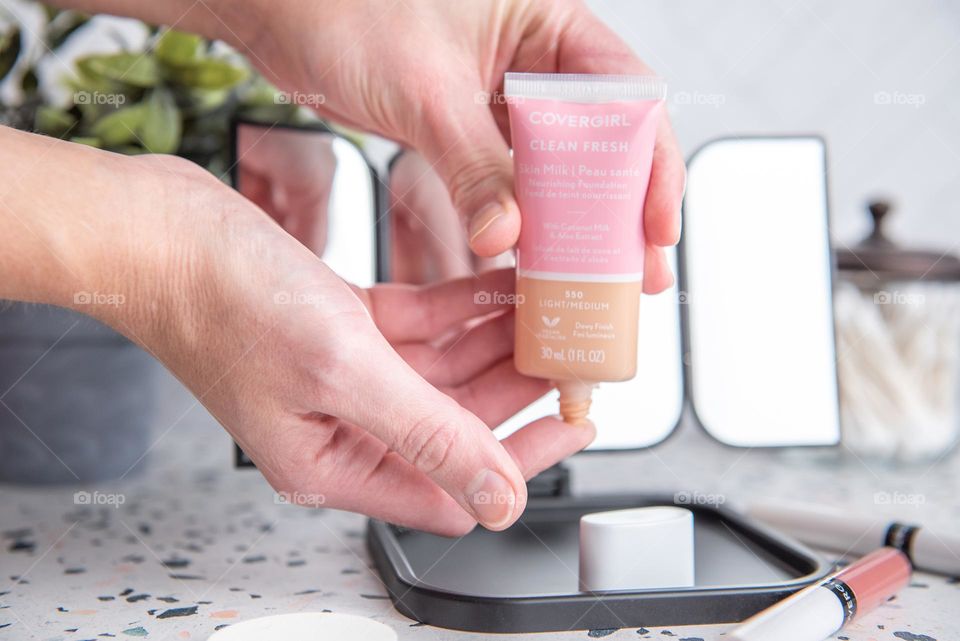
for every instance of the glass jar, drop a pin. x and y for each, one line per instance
(898, 347)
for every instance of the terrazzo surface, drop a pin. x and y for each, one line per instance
(190, 544)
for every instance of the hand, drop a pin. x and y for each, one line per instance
(418, 72)
(376, 401)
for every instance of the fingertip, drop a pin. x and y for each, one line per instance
(494, 228)
(657, 274)
(496, 503)
(547, 441)
(668, 179)
(662, 211)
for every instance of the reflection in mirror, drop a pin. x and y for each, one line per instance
(430, 244)
(318, 187)
(427, 238)
(757, 287)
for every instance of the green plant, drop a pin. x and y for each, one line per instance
(176, 97)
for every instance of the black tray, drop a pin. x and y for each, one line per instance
(525, 578)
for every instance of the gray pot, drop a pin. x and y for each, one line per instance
(76, 398)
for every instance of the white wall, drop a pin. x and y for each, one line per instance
(816, 66)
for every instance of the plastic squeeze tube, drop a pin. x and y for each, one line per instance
(819, 611)
(582, 152)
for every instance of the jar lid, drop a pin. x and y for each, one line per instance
(641, 548)
(882, 259)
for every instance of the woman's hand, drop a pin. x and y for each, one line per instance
(376, 401)
(428, 73)
(331, 391)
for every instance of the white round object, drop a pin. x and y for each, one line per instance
(636, 549)
(307, 626)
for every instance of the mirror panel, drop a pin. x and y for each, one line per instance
(757, 288)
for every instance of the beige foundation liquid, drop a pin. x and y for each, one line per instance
(582, 151)
(576, 334)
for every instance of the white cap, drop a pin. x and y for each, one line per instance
(636, 549)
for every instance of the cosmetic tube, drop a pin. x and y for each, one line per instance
(842, 530)
(819, 611)
(582, 153)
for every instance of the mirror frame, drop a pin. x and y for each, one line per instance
(689, 393)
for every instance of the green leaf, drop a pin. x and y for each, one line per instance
(137, 69)
(120, 127)
(208, 74)
(206, 100)
(53, 122)
(161, 128)
(260, 93)
(178, 48)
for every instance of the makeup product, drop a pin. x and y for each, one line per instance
(816, 612)
(845, 532)
(582, 152)
(315, 626)
(641, 548)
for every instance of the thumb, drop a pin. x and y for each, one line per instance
(460, 138)
(432, 432)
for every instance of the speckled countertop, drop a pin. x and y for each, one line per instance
(197, 545)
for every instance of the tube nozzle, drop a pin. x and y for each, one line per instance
(575, 401)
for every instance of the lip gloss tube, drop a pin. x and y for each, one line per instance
(818, 611)
(833, 529)
(582, 151)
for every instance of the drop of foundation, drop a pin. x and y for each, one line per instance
(575, 401)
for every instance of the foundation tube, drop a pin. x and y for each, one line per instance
(582, 152)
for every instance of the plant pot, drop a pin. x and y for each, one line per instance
(76, 398)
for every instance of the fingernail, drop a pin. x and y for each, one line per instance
(483, 220)
(492, 499)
